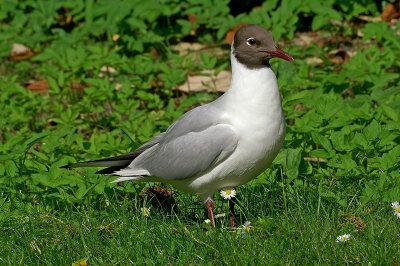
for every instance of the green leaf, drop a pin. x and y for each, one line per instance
(319, 153)
(53, 85)
(322, 140)
(391, 159)
(291, 163)
(372, 131)
(390, 112)
(361, 141)
(319, 21)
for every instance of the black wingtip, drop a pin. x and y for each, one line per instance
(109, 170)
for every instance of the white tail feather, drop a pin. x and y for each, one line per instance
(131, 172)
(125, 178)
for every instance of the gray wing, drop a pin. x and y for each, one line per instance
(187, 154)
(198, 119)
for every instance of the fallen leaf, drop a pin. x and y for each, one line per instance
(229, 37)
(207, 82)
(115, 37)
(68, 19)
(185, 47)
(20, 52)
(314, 60)
(118, 86)
(390, 12)
(192, 18)
(231, 33)
(154, 53)
(107, 70)
(193, 51)
(78, 87)
(40, 86)
(64, 19)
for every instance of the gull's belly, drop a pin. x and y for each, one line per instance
(258, 146)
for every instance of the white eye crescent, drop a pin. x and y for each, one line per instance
(251, 41)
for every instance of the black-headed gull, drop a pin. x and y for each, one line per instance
(225, 143)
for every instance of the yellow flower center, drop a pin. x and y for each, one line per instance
(248, 229)
(398, 209)
(343, 238)
(228, 192)
(146, 212)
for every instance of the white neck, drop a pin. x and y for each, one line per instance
(253, 90)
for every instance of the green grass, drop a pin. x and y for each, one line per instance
(341, 102)
(119, 234)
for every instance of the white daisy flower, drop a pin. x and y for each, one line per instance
(145, 211)
(343, 238)
(246, 227)
(396, 208)
(219, 215)
(207, 221)
(228, 193)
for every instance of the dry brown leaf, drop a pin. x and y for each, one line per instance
(118, 86)
(68, 19)
(229, 37)
(192, 18)
(64, 19)
(115, 37)
(194, 50)
(220, 82)
(20, 52)
(314, 60)
(154, 53)
(107, 71)
(40, 86)
(78, 87)
(231, 33)
(185, 47)
(390, 12)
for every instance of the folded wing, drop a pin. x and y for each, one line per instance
(186, 155)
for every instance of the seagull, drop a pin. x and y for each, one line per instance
(223, 144)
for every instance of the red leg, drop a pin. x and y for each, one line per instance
(210, 205)
(232, 211)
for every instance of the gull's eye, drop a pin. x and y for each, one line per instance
(251, 41)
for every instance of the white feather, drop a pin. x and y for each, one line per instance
(131, 172)
(125, 178)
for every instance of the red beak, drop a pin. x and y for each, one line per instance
(281, 54)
